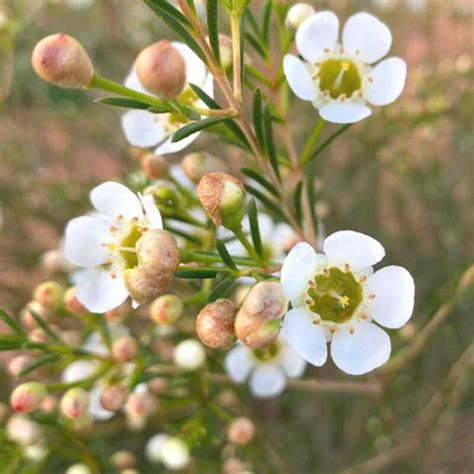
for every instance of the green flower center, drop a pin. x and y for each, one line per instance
(339, 77)
(127, 247)
(334, 295)
(188, 98)
(264, 354)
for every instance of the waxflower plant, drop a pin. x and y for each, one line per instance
(199, 276)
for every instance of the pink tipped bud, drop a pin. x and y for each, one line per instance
(215, 324)
(141, 404)
(123, 460)
(257, 323)
(241, 430)
(154, 166)
(114, 397)
(27, 397)
(17, 364)
(124, 349)
(61, 60)
(196, 165)
(75, 403)
(161, 69)
(71, 302)
(222, 196)
(166, 309)
(49, 294)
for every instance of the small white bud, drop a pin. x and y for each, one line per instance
(189, 355)
(297, 14)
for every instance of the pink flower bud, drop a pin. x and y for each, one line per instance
(166, 309)
(61, 60)
(49, 294)
(154, 166)
(158, 385)
(196, 165)
(215, 324)
(71, 302)
(27, 397)
(257, 323)
(241, 430)
(141, 404)
(75, 403)
(18, 363)
(113, 397)
(123, 460)
(161, 69)
(124, 349)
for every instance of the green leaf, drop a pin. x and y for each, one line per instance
(38, 363)
(9, 321)
(254, 228)
(194, 127)
(260, 179)
(266, 15)
(257, 118)
(311, 192)
(221, 288)
(257, 47)
(297, 200)
(251, 19)
(213, 29)
(272, 206)
(124, 102)
(166, 8)
(197, 273)
(184, 110)
(235, 7)
(269, 145)
(225, 255)
(44, 326)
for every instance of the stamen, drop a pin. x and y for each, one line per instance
(134, 220)
(327, 50)
(119, 218)
(113, 275)
(351, 328)
(362, 316)
(326, 272)
(309, 302)
(362, 279)
(370, 79)
(317, 321)
(357, 52)
(333, 329)
(346, 267)
(371, 296)
(112, 229)
(344, 301)
(312, 283)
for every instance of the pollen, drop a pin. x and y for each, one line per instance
(344, 301)
(345, 65)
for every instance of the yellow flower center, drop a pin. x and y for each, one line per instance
(267, 353)
(127, 247)
(339, 78)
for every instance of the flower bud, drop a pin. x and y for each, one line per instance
(124, 349)
(158, 385)
(233, 466)
(61, 60)
(75, 403)
(122, 460)
(196, 165)
(225, 50)
(114, 397)
(166, 309)
(27, 318)
(161, 69)
(222, 196)
(175, 454)
(18, 363)
(215, 324)
(297, 14)
(189, 355)
(154, 166)
(141, 404)
(163, 194)
(35, 452)
(49, 404)
(78, 468)
(23, 431)
(257, 323)
(27, 397)
(71, 302)
(49, 294)
(241, 430)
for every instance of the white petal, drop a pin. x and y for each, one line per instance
(292, 363)
(152, 211)
(317, 33)
(267, 381)
(305, 337)
(96, 411)
(83, 242)
(173, 147)
(196, 71)
(142, 128)
(358, 353)
(388, 81)
(298, 268)
(298, 77)
(394, 291)
(132, 82)
(368, 35)
(153, 448)
(344, 112)
(356, 249)
(115, 199)
(100, 292)
(238, 363)
(78, 370)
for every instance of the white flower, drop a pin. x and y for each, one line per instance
(267, 368)
(169, 450)
(144, 129)
(338, 79)
(104, 243)
(337, 298)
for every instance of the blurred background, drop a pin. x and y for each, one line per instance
(404, 176)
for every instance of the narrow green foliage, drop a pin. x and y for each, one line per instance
(266, 17)
(225, 255)
(272, 206)
(269, 144)
(7, 319)
(197, 273)
(221, 288)
(44, 326)
(257, 46)
(297, 200)
(254, 228)
(194, 127)
(235, 7)
(184, 110)
(256, 176)
(257, 118)
(213, 28)
(123, 102)
(35, 364)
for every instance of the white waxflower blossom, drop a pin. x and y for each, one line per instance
(144, 129)
(169, 450)
(340, 79)
(267, 368)
(104, 243)
(337, 298)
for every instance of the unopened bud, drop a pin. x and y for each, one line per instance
(23, 431)
(166, 309)
(297, 14)
(26, 315)
(75, 403)
(161, 69)
(241, 430)
(61, 60)
(27, 397)
(257, 323)
(189, 355)
(215, 324)
(175, 454)
(196, 165)
(163, 194)
(124, 349)
(141, 404)
(49, 294)
(123, 460)
(18, 363)
(158, 385)
(114, 397)
(71, 303)
(222, 196)
(78, 469)
(154, 166)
